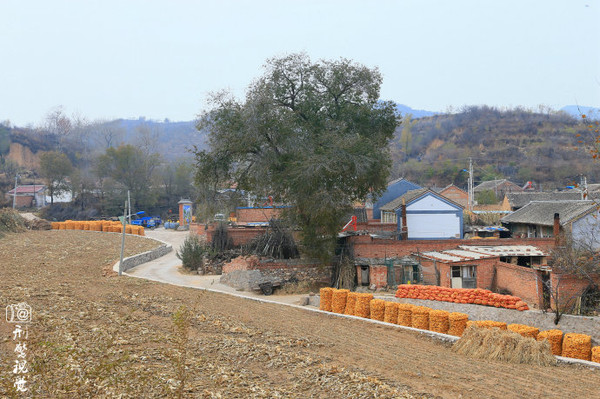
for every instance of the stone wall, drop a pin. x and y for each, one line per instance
(144, 257)
(281, 269)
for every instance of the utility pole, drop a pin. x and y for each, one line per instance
(123, 239)
(128, 207)
(470, 188)
(15, 193)
(584, 189)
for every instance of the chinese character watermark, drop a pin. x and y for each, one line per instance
(20, 315)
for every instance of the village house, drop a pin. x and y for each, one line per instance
(424, 215)
(499, 187)
(28, 196)
(536, 219)
(515, 201)
(395, 189)
(455, 194)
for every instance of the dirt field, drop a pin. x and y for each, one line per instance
(97, 335)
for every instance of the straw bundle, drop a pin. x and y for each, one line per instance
(363, 305)
(377, 309)
(391, 312)
(555, 338)
(439, 321)
(338, 300)
(457, 323)
(420, 317)
(503, 345)
(524, 330)
(577, 346)
(405, 314)
(596, 354)
(487, 324)
(325, 301)
(350, 303)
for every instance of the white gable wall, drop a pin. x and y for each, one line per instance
(586, 231)
(430, 203)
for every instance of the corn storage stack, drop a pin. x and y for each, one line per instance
(70, 225)
(391, 312)
(457, 323)
(487, 324)
(141, 230)
(377, 307)
(325, 301)
(350, 303)
(54, 225)
(439, 321)
(62, 226)
(524, 330)
(420, 317)
(86, 226)
(128, 229)
(596, 354)
(577, 346)
(338, 300)
(363, 305)
(79, 225)
(555, 338)
(405, 314)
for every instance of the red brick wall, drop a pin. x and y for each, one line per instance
(239, 235)
(378, 276)
(367, 247)
(570, 286)
(247, 215)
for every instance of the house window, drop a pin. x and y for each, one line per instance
(388, 217)
(464, 276)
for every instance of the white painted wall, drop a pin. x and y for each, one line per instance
(430, 225)
(586, 231)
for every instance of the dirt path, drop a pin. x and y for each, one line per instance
(91, 323)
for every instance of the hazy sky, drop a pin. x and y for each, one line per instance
(160, 59)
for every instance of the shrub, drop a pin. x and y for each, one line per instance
(11, 221)
(192, 253)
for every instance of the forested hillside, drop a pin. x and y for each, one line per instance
(518, 144)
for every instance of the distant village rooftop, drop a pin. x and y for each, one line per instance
(542, 212)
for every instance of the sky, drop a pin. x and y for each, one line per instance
(113, 59)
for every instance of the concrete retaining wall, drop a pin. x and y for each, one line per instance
(144, 257)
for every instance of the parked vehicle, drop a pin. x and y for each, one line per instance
(140, 219)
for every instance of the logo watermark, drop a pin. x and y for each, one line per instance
(18, 313)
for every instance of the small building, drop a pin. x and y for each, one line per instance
(536, 219)
(455, 194)
(515, 201)
(28, 196)
(394, 190)
(500, 187)
(429, 215)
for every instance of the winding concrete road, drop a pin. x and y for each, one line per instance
(167, 269)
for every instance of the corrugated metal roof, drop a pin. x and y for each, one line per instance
(542, 212)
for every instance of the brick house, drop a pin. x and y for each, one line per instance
(455, 194)
(515, 201)
(500, 187)
(28, 196)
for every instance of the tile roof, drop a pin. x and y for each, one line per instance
(519, 200)
(28, 189)
(542, 212)
(408, 196)
(492, 184)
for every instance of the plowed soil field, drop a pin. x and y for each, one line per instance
(94, 334)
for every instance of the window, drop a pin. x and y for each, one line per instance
(388, 217)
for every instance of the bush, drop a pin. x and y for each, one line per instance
(11, 221)
(192, 253)
(221, 240)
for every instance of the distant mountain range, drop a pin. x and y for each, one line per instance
(416, 113)
(578, 110)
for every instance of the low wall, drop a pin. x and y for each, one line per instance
(135, 260)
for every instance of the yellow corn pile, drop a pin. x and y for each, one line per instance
(487, 324)
(363, 305)
(391, 312)
(439, 321)
(577, 346)
(524, 330)
(326, 295)
(596, 354)
(420, 317)
(405, 314)
(457, 323)
(555, 338)
(338, 300)
(350, 303)
(377, 309)
(98, 225)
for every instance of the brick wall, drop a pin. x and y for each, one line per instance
(239, 235)
(247, 215)
(367, 247)
(571, 286)
(378, 276)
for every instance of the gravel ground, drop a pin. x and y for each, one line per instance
(97, 335)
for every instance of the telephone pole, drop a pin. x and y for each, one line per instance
(470, 188)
